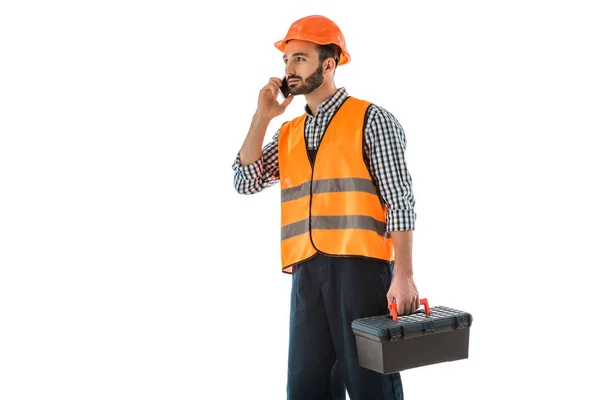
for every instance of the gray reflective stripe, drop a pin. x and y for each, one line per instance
(295, 229)
(335, 222)
(329, 185)
(295, 192)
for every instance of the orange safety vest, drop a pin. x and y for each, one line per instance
(331, 206)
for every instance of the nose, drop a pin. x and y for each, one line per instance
(289, 70)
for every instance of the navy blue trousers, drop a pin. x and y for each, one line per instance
(328, 293)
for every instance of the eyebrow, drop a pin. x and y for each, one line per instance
(296, 54)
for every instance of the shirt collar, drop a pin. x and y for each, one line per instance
(331, 104)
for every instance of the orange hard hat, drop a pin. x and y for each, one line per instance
(319, 30)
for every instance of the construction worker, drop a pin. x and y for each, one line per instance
(347, 213)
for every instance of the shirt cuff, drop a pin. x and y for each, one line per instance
(400, 220)
(249, 171)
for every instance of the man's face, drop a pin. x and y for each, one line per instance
(303, 70)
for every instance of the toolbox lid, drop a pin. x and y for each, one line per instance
(384, 329)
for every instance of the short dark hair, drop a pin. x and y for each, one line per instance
(329, 51)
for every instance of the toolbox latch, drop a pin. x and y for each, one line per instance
(462, 321)
(428, 327)
(395, 333)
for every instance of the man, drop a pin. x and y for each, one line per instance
(347, 213)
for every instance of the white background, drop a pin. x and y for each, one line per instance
(131, 269)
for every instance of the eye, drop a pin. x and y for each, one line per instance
(299, 59)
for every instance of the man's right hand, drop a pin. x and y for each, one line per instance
(268, 106)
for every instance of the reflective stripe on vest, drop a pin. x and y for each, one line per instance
(332, 207)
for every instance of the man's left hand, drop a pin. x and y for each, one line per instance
(404, 291)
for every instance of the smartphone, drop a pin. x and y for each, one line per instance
(285, 89)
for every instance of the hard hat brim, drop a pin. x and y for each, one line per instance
(344, 56)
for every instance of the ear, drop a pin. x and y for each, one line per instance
(329, 65)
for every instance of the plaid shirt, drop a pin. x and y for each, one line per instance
(384, 146)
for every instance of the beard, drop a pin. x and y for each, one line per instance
(311, 83)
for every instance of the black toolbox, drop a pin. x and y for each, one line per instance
(391, 343)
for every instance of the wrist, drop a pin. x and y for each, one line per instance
(403, 269)
(261, 118)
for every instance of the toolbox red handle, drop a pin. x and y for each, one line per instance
(425, 303)
(422, 302)
(394, 311)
